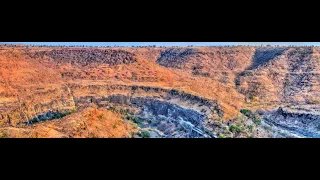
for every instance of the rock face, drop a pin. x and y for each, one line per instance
(169, 119)
(174, 121)
(186, 116)
(27, 108)
(50, 115)
(30, 112)
(162, 108)
(297, 120)
(180, 98)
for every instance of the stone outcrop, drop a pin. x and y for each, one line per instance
(297, 120)
(27, 112)
(128, 92)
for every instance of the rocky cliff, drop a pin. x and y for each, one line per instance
(177, 87)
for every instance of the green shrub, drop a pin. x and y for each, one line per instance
(57, 116)
(254, 116)
(145, 134)
(236, 129)
(112, 109)
(237, 81)
(246, 112)
(100, 117)
(123, 111)
(256, 119)
(73, 110)
(138, 121)
(129, 118)
(67, 113)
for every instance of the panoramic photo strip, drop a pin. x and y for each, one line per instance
(159, 90)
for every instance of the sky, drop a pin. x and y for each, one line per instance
(163, 43)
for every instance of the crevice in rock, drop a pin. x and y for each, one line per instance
(50, 115)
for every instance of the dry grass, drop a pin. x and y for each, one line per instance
(88, 123)
(42, 80)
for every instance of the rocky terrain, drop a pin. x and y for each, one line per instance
(171, 92)
(85, 56)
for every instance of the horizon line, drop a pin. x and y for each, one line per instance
(159, 46)
(162, 44)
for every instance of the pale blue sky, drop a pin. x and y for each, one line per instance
(164, 43)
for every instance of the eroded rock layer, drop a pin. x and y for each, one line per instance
(166, 92)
